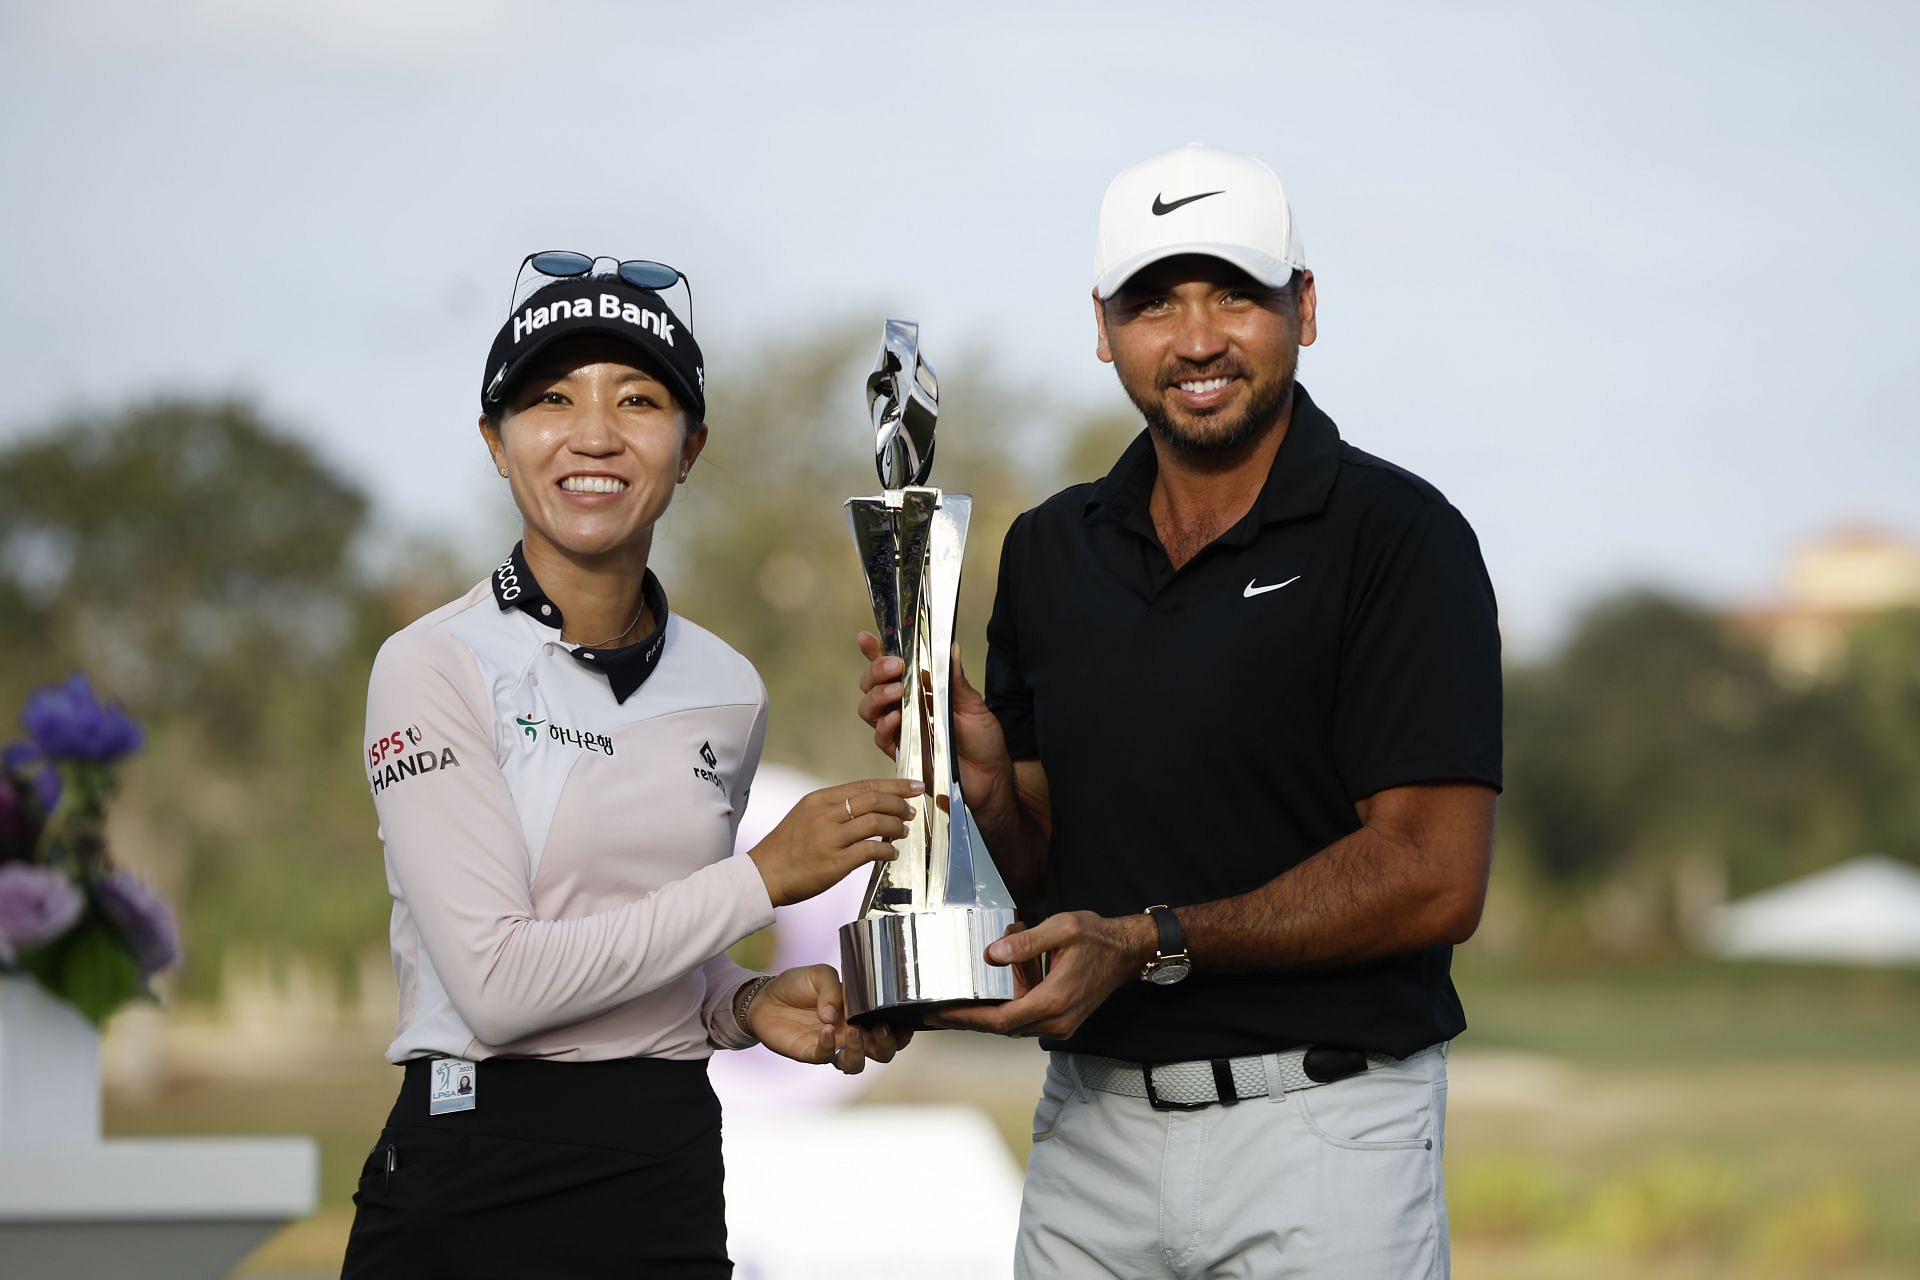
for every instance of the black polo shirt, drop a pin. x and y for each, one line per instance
(1205, 729)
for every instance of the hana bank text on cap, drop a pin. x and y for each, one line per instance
(599, 304)
(1196, 199)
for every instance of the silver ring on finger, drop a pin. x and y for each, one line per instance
(848, 801)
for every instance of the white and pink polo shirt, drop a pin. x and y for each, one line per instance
(559, 824)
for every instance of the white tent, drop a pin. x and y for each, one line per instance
(1864, 911)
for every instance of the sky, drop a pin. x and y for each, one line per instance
(1631, 283)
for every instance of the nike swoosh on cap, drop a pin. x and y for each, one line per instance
(1253, 591)
(1163, 207)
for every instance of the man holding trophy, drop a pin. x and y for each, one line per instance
(1236, 760)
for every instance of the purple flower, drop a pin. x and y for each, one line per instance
(68, 721)
(143, 918)
(37, 904)
(20, 758)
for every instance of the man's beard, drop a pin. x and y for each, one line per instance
(1262, 413)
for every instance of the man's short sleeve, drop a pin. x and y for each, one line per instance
(1007, 692)
(1418, 698)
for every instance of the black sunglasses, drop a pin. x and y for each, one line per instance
(565, 264)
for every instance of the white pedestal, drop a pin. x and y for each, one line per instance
(72, 1204)
(49, 1070)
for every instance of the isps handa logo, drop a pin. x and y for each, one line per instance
(394, 758)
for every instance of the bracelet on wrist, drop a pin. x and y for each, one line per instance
(743, 1000)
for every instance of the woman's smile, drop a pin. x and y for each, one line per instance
(592, 486)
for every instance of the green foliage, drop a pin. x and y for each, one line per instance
(1881, 693)
(89, 968)
(1614, 745)
(173, 550)
(1675, 1201)
(757, 548)
(1511, 1196)
(1821, 1232)
(1691, 1015)
(199, 563)
(1670, 1203)
(1658, 738)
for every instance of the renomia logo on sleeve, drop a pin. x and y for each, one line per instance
(707, 774)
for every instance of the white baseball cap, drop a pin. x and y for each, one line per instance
(1196, 199)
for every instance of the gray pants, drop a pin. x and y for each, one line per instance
(1342, 1180)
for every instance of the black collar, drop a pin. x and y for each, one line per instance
(626, 668)
(1297, 485)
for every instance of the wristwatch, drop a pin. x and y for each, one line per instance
(1170, 962)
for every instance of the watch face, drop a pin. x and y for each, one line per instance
(1168, 972)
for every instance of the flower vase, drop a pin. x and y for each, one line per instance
(49, 1069)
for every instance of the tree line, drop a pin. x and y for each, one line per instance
(206, 568)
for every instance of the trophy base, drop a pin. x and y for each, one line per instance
(897, 968)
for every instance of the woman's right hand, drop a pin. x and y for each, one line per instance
(830, 833)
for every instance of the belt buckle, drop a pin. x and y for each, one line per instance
(1324, 1064)
(1158, 1103)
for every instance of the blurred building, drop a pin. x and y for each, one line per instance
(1831, 585)
(1864, 911)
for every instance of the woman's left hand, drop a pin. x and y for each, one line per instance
(801, 1015)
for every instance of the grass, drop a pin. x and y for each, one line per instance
(1670, 1121)
(1706, 1118)
(1682, 1014)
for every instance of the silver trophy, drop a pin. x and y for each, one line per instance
(928, 915)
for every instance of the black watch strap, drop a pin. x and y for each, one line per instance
(1173, 939)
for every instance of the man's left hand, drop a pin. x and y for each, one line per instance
(1092, 956)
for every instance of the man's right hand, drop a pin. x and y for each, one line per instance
(830, 833)
(979, 746)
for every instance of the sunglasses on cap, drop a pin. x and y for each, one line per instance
(565, 264)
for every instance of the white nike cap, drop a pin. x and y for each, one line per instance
(1196, 199)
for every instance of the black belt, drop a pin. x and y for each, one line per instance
(1204, 1082)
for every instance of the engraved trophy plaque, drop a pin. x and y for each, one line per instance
(928, 915)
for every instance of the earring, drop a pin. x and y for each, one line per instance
(503, 473)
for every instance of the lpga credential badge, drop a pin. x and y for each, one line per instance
(454, 1086)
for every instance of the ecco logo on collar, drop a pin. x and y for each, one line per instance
(509, 580)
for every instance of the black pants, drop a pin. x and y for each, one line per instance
(589, 1169)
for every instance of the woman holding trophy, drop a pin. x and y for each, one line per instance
(559, 765)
